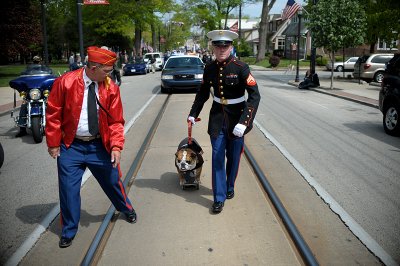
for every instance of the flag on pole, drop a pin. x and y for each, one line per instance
(290, 9)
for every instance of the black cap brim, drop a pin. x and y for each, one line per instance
(221, 42)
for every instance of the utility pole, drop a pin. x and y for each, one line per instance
(79, 13)
(46, 51)
(313, 49)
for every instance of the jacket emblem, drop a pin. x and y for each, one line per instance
(251, 81)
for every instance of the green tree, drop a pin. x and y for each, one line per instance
(383, 20)
(335, 24)
(21, 31)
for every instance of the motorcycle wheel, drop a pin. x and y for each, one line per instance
(1, 155)
(37, 130)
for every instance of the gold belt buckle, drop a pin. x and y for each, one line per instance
(224, 101)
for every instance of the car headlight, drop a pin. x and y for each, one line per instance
(198, 76)
(167, 77)
(34, 94)
(46, 93)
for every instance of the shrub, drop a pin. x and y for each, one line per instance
(274, 60)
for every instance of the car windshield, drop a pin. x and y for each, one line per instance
(184, 62)
(137, 61)
(362, 59)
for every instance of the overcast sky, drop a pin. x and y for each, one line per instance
(254, 11)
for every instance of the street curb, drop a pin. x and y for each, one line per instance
(360, 100)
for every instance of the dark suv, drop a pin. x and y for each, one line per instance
(389, 97)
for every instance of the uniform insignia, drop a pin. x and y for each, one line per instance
(251, 81)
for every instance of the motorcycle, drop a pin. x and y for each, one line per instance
(34, 87)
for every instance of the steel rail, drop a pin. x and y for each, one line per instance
(88, 259)
(301, 245)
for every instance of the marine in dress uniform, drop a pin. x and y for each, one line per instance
(85, 129)
(231, 115)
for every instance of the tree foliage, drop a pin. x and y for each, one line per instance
(335, 24)
(21, 31)
(383, 20)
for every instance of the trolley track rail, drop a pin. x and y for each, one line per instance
(99, 241)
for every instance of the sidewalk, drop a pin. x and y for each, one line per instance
(7, 100)
(349, 89)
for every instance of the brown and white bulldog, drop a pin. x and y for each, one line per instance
(189, 162)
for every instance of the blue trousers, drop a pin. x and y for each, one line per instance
(224, 176)
(71, 164)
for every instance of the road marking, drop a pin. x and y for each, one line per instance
(354, 227)
(31, 240)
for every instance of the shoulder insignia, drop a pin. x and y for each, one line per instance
(251, 81)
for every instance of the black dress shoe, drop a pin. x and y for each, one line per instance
(217, 207)
(22, 132)
(230, 194)
(65, 242)
(131, 217)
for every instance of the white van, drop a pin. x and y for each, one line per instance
(159, 59)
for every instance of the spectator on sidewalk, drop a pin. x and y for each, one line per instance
(311, 80)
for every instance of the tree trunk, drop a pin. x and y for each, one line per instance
(372, 48)
(138, 38)
(153, 37)
(263, 30)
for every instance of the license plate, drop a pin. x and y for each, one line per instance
(133, 70)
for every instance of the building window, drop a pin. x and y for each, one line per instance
(281, 44)
(387, 46)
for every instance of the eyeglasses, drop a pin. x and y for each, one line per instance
(108, 72)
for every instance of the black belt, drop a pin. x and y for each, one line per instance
(87, 138)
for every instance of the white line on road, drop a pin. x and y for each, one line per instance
(354, 227)
(45, 223)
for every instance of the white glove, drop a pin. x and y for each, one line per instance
(239, 129)
(192, 120)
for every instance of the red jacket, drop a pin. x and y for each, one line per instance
(64, 109)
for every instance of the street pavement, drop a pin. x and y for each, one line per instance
(196, 234)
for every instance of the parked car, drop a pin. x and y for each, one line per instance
(389, 97)
(348, 65)
(371, 67)
(135, 67)
(182, 72)
(159, 59)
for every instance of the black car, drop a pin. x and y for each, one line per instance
(135, 67)
(389, 97)
(182, 73)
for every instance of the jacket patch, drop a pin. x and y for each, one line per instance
(251, 81)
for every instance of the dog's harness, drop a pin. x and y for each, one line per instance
(229, 101)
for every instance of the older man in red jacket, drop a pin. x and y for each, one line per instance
(85, 128)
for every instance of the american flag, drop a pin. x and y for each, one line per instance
(290, 9)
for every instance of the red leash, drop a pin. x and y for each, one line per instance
(190, 130)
